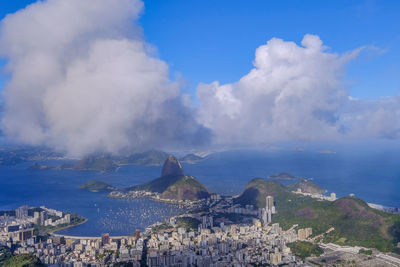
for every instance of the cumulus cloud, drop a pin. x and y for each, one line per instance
(372, 118)
(293, 93)
(84, 81)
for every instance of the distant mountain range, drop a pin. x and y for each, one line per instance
(108, 163)
(16, 155)
(147, 158)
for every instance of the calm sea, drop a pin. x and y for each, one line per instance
(374, 177)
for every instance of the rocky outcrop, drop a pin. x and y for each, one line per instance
(174, 185)
(172, 167)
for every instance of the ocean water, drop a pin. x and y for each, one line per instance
(59, 189)
(374, 177)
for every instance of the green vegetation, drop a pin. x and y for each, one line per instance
(355, 223)
(158, 185)
(148, 158)
(187, 222)
(162, 226)
(186, 188)
(174, 185)
(96, 186)
(5, 254)
(23, 260)
(234, 217)
(42, 230)
(306, 186)
(365, 251)
(257, 189)
(305, 249)
(102, 163)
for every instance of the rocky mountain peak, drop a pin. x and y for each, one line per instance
(172, 167)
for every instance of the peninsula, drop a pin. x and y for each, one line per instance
(172, 186)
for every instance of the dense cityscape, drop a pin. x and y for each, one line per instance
(199, 133)
(203, 238)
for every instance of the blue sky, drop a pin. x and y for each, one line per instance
(204, 41)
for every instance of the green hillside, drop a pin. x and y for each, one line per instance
(158, 185)
(187, 188)
(5, 254)
(148, 158)
(173, 184)
(354, 221)
(23, 260)
(283, 176)
(306, 186)
(257, 189)
(101, 163)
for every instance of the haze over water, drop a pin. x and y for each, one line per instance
(373, 176)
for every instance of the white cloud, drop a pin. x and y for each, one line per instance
(82, 80)
(292, 93)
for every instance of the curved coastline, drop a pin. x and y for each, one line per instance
(53, 232)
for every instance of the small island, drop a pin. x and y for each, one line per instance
(97, 186)
(101, 163)
(282, 176)
(40, 167)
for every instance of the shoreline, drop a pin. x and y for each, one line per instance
(185, 205)
(68, 226)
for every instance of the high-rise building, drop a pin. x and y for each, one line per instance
(43, 217)
(105, 239)
(269, 209)
(22, 212)
(67, 218)
(137, 235)
(303, 234)
(207, 222)
(269, 216)
(269, 203)
(36, 217)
